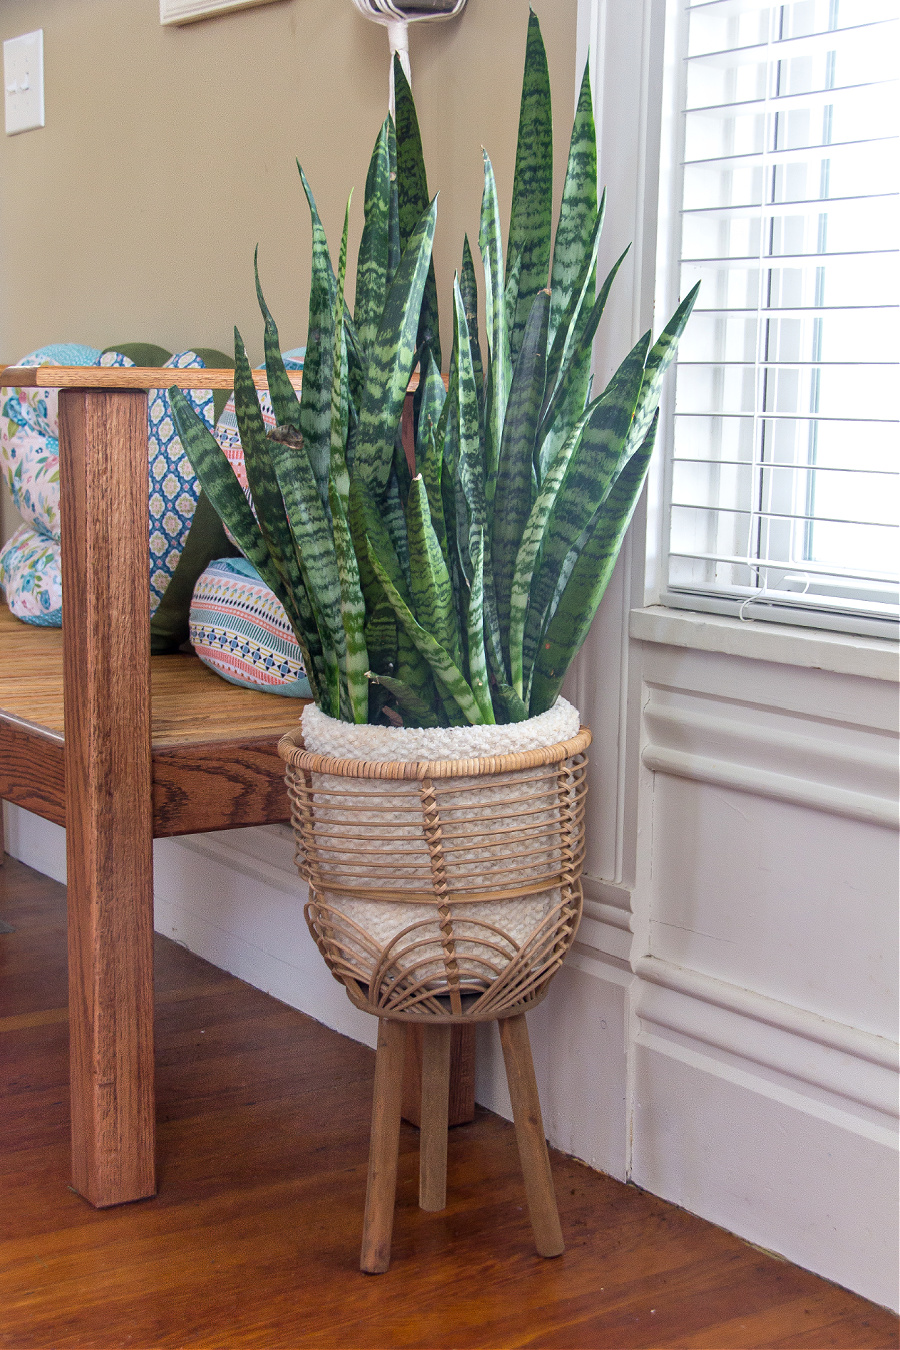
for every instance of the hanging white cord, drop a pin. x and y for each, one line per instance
(396, 20)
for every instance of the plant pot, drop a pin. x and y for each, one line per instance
(443, 866)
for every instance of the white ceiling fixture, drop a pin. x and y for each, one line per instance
(397, 18)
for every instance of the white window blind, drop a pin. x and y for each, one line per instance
(783, 485)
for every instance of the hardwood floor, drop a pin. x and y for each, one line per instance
(254, 1237)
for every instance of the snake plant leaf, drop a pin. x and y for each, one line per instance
(285, 404)
(578, 208)
(315, 395)
(212, 468)
(314, 543)
(340, 385)
(372, 260)
(413, 199)
(498, 374)
(587, 482)
(432, 396)
(450, 680)
(469, 485)
(353, 611)
(570, 394)
(371, 537)
(394, 249)
(572, 321)
(477, 656)
(267, 500)
(429, 465)
(391, 359)
(420, 713)
(469, 287)
(380, 631)
(530, 547)
(530, 221)
(660, 357)
(590, 576)
(512, 496)
(430, 581)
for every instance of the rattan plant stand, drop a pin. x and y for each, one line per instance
(443, 892)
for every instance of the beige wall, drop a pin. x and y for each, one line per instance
(169, 153)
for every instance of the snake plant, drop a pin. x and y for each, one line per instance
(454, 584)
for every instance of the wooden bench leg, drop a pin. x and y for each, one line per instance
(381, 1189)
(435, 1109)
(530, 1136)
(109, 820)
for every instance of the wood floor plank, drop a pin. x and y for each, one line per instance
(253, 1239)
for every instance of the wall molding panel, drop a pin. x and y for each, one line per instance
(855, 780)
(850, 1065)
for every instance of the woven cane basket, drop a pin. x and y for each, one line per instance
(445, 889)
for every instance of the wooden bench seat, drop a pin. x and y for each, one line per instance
(204, 776)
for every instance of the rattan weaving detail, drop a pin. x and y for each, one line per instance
(448, 889)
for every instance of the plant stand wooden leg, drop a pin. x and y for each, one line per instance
(530, 1136)
(435, 1110)
(384, 1144)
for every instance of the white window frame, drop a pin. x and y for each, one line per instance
(666, 109)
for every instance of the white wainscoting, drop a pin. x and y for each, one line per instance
(764, 1054)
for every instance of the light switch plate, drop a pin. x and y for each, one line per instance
(23, 82)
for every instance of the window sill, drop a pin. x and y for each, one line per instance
(815, 649)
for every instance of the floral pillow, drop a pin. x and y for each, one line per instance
(29, 439)
(29, 461)
(31, 577)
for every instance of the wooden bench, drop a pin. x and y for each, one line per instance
(121, 748)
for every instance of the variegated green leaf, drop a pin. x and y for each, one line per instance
(267, 500)
(590, 576)
(477, 656)
(529, 551)
(566, 401)
(512, 497)
(429, 466)
(578, 209)
(394, 249)
(315, 396)
(469, 287)
(419, 712)
(449, 678)
(340, 384)
(660, 357)
(285, 404)
(531, 217)
(353, 612)
(498, 377)
(588, 479)
(413, 199)
(314, 544)
(430, 581)
(391, 360)
(374, 247)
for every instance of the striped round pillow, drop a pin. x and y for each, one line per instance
(240, 630)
